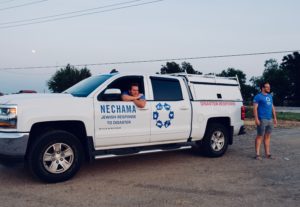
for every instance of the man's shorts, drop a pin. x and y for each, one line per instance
(265, 127)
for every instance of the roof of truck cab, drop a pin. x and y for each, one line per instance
(139, 74)
(190, 77)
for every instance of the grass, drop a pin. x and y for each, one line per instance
(280, 115)
(288, 116)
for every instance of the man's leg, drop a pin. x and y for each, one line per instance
(258, 141)
(267, 139)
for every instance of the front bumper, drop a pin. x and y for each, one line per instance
(13, 146)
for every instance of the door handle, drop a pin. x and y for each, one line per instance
(184, 108)
(143, 109)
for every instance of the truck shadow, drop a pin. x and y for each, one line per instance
(142, 163)
(18, 174)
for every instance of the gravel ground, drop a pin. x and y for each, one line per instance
(180, 178)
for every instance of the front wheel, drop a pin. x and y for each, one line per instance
(55, 156)
(215, 142)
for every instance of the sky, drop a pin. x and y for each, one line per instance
(160, 30)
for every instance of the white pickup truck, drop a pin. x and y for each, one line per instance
(54, 133)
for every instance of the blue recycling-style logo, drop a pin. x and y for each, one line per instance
(159, 108)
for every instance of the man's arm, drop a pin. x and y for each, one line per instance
(140, 103)
(128, 98)
(255, 106)
(136, 100)
(274, 115)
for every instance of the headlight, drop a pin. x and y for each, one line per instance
(8, 117)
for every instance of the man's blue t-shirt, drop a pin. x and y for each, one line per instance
(127, 93)
(265, 104)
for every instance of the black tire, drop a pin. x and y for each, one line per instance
(66, 161)
(211, 146)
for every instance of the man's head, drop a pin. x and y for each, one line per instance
(265, 87)
(134, 90)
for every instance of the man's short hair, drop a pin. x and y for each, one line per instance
(133, 84)
(262, 85)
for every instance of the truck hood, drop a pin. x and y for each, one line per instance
(31, 98)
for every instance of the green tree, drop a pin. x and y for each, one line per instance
(291, 67)
(256, 82)
(67, 77)
(171, 67)
(247, 90)
(188, 68)
(232, 72)
(278, 80)
(114, 71)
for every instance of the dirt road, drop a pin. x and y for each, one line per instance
(179, 178)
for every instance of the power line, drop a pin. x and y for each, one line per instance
(90, 13)
(25, 74)
(22, 5)
(153, 60)
(4, 2)
(67, 13)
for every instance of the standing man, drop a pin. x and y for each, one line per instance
(134, 95)
(263, 110)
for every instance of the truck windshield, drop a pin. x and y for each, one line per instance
(86, 86)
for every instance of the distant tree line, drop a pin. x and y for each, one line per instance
(284, 78)
(246, 90)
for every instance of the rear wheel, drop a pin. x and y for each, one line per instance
(215, 142)
(55, 156)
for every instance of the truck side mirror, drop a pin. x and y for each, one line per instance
(111, 94)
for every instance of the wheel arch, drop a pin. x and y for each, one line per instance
(77, 128)
(225, 121)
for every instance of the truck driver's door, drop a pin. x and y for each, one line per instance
(118, 122)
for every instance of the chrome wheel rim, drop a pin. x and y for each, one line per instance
(217, 141)
(58, 158)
